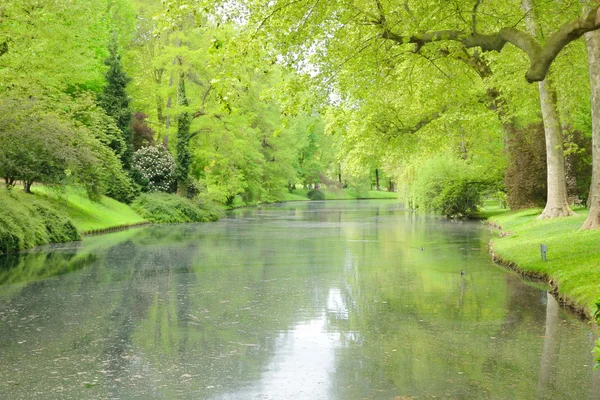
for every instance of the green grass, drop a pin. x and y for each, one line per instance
(340, 194)
(88, 215)
(573, 259)
(491, 208)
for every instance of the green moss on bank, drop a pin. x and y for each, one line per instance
(28, 220)
(573, 259)
(170, 208)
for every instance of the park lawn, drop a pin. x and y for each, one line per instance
(88, 215)
(340, 194)
(573, 259)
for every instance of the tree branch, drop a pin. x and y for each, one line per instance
(540, 58)
(202, 111)
(411, 130)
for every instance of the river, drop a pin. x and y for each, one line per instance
(309, 300)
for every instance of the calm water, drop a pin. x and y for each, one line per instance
(298, 301)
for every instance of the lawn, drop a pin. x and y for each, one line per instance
(340, 194)
(87, 215)
(573, 258)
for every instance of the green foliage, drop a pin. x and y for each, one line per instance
(170, 208)
(115, 101)
(155, 169)
(121, 186)
(28, 221)
(448, 186)
(315, 194)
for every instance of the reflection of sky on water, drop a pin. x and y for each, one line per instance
(301, 369)
(296, 301)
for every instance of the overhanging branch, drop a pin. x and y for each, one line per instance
(540, 58)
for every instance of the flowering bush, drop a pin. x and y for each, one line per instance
(154, 169)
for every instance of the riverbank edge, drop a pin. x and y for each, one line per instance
(116, 228)
(584, 312)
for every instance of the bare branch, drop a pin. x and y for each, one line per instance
(411, 130)
(202, 110)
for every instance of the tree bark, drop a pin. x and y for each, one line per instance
(27, 186)
(592, 40)
(557, 204)
(377, 179)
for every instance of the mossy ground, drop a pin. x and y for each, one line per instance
(573, 258)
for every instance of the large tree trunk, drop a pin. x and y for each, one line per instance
(557, 204)
(592, 40)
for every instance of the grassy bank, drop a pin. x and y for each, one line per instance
(87, 215)
(29, 220)
(340, 194)
(47, 216)
(573, 259)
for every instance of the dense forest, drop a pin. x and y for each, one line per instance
(242, 102)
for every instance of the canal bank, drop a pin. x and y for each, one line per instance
(572, 264)
(310, 300)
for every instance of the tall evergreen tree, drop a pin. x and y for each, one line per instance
(184, 120)
(115, 101)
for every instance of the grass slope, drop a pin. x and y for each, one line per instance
(88, 215)
(28, 221)
(573, 259)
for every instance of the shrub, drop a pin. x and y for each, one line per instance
(154, 168)
(315, 194)
(170, 208)
(448, 186)
(28, 221)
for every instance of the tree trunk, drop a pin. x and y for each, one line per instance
(557, 204)
(27, 186)
(377, 179)
(592, 40)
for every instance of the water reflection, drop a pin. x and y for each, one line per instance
(305, 300)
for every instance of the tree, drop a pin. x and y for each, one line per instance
(143, 134)
(413, 26)
(115, 101)
(593, 46)
(59, 148)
